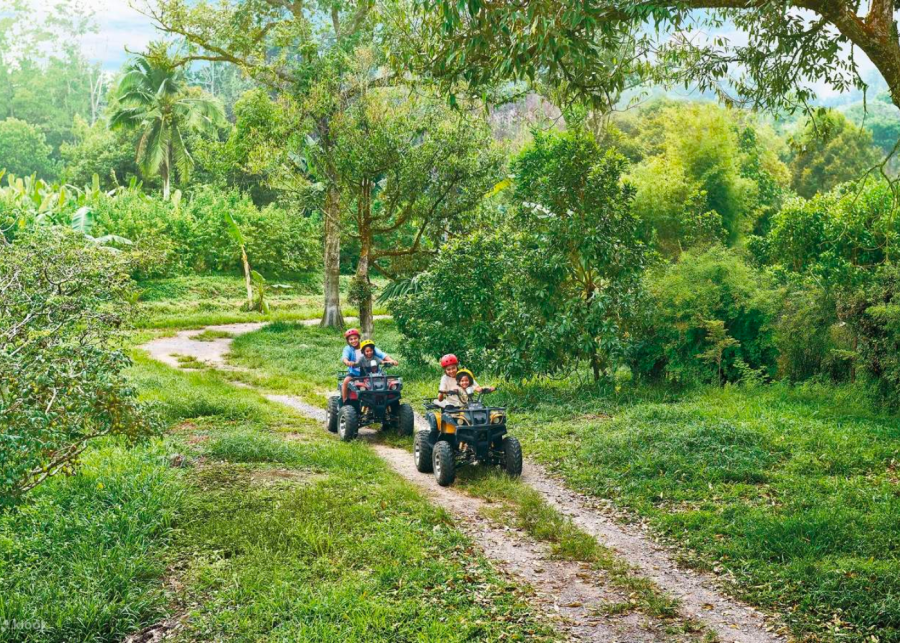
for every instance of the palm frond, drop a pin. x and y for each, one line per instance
(399, 288)
(126, 117)
(183, 158)
(155, 147)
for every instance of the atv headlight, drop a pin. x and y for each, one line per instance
(497, 418)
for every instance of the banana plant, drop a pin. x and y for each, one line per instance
(235, 233)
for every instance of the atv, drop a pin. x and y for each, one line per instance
(459, 435)
(372, 398)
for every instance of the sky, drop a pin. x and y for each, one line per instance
(119, 26)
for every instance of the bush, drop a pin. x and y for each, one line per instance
(24, 150)
(811, 341)
(61, 382)
(873, 314)
(710, 320)
(837, 237)
(192, 235)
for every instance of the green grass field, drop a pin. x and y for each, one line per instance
(269, 531)
(197, 301)
(793, 493)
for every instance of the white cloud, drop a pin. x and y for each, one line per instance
(118, 26)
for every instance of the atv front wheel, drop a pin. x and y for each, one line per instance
(422, 452)
(443, 463)
(512, 456)
(331, 414)
(348, 423)
(407, 420)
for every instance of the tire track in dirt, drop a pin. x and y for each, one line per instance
(567, 589)
(564, 590)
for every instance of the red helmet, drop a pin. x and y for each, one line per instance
(351, 332)
(448, 360)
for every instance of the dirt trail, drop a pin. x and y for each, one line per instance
(563, 589)
(573, 591)
(211, 352)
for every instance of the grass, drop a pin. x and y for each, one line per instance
(82, 559)
(791, 493)
(332, 547)
(212, 335)
(267, 530)
(303, 360)
(204, 300)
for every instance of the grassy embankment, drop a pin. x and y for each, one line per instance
(793, 493)
(269, 531)
(196, 301)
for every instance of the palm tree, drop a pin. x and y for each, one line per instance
(154, 98)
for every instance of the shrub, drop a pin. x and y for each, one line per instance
(873, 313)
(710, 319)
(61, 385)
(24, 150)
(191, 234)
(810, 339)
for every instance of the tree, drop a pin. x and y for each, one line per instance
(880, 118)
(829, 151)
(62, 301)
(707, 172)
(583, 259)
(315, 53)
(552, 288)
(598, 49)
(409, 169)
(98, 150)
(45, 79)
(24, 150)
(154, 99)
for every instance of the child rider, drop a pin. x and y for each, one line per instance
(351, 356)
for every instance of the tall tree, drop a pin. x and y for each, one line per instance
(45, 78)
(305, 50)
(410, 168)
(598, 48)
(829, 151)
(155, 99)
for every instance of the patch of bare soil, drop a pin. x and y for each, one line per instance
(282, 476)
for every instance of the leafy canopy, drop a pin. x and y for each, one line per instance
(595, 50)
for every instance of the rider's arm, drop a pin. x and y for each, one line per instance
(348, 360)
(384, 357)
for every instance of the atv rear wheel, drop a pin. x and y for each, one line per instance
(512, 456)
(422, 452)
(331, 413)
(348, 423)
(407, 420)
(443, 463)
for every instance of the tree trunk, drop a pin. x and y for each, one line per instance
(366, 322)
(165, 171)
(247, 278)
(332, 317)
(595, 364)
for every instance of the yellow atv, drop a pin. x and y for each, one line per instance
(465, 434)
